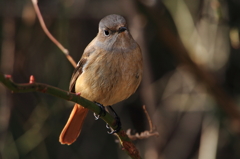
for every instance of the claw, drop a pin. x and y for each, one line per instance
(118, 123)
(119, 126)
(102, 111)
(107, 126)
(96, 116)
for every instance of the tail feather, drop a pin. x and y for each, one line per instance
(74, 125)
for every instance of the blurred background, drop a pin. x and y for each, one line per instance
(191, 83)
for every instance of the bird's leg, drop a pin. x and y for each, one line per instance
(118, 122)
(102, 111)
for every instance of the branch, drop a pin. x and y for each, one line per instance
(54, 40)
(149, 119)
(33, 86)
(144, 134)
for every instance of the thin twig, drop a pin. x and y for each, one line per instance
(144, 134)
(149, 119)
(54, 40)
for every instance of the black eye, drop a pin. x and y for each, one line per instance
(106, 32)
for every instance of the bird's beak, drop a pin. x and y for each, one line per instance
(122, 29)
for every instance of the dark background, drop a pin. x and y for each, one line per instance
(185, 110)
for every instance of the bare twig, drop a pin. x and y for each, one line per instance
(149, 119)
(54, 40)
(33, 86)
(145, 134)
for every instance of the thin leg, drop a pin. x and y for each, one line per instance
(102, 111)
(118, 122)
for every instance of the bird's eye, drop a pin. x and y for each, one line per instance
(106, 33)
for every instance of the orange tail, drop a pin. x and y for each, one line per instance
(74, 125)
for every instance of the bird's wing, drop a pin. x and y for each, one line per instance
(79, 69)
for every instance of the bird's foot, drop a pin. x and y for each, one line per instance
(102, 111)
(117, 122)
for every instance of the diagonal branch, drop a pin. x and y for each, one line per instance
(32, 86)
(54, 40)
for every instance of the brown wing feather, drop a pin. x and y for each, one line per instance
(78, 70)
(76, 73)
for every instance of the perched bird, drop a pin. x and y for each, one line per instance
(109, 71)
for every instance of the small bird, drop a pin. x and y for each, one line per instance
(109, 71)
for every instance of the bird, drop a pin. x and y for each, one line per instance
(109, 71)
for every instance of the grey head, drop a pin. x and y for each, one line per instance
(114, 35)
(114, 23)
